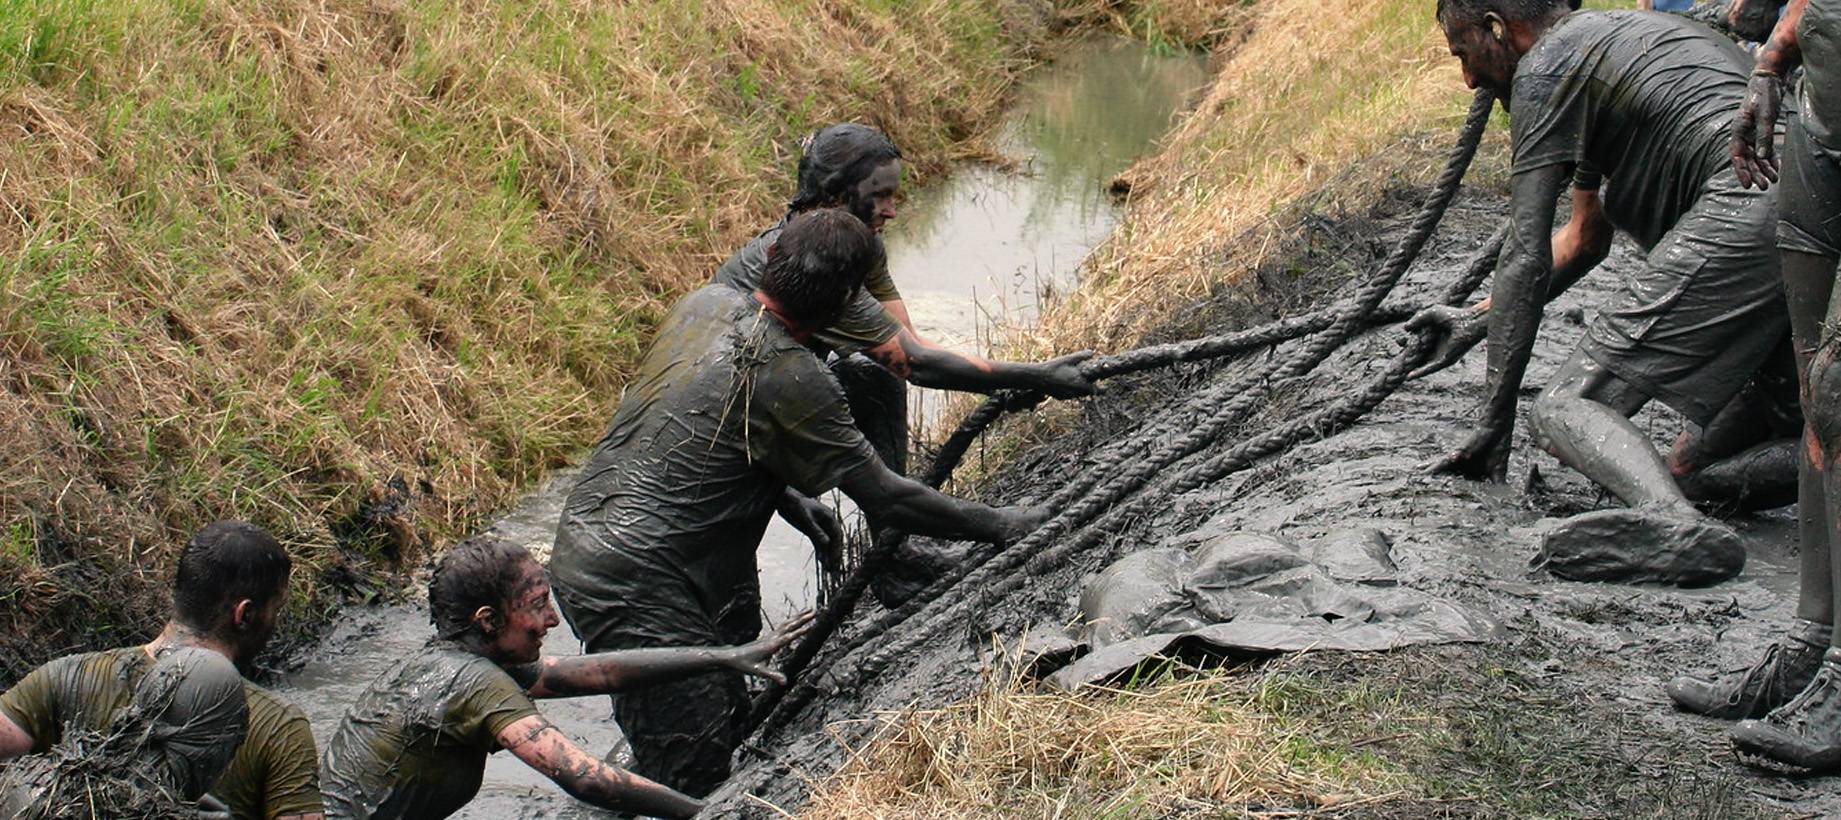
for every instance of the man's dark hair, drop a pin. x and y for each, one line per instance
(836, 158)
(480, 571)
(227, 562)
(818, 263)
(1471, 12)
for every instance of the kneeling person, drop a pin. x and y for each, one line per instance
(656, 546)
(415, 743)
(1641, 103)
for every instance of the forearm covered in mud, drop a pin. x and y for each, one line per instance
(588, 778)
(606, 672)
(927, 365)
(894, 501)
(1520, 289)
(1784, 52)
(1582, 245)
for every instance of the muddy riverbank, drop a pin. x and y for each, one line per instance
(1565, 715)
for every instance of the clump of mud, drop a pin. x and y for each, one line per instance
(91, 776)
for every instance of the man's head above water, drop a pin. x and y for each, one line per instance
(229, 587)
(1490, 36)
(849, 166)
(816, 265)
(492, 597)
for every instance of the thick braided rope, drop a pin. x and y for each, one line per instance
(981, 576)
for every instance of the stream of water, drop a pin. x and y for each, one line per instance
(979, 251)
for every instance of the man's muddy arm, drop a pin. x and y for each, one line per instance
(894, 501)
(1516, 300)
(605, 672)
(14, 740)
(911, 358)
(898, 308)
(588, 778)
(1582, 245)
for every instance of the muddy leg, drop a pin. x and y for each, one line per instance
(1806, 732)
(1747, 458)
(1583, 419)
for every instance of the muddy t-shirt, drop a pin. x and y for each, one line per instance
(277, 769)
(1819, 34)
(1644, 99)
(727, 411)
(864, 323)
(415, 743)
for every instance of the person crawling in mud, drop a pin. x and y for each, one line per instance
(874, 347)
(230, 583)
(1790, 699)
(415, 743)
(730, 409)
(1632, 109)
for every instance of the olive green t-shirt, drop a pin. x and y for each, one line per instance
(864, 323)
(1645, 99)
(727, 410)
(275, 771)
(415, 743)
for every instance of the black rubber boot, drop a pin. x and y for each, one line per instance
(1805, 733)
(1787, 666)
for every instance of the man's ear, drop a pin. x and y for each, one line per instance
(1498, 28)
(243, 613)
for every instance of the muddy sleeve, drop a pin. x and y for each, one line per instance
(802, 430)
(880, 284)
(865, 324)
(1547, 126)
(490, 703)
(32, 704)
(1587, 178)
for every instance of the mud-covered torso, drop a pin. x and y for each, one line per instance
(1819, 34)
(727, 410)
(864, 323)
(1643, 99)
(415, 743)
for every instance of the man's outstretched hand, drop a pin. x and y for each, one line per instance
(1458, 330)
(751, 659)
(1754, 153)
(1061, 377)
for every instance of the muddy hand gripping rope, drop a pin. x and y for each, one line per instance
(1124, 469)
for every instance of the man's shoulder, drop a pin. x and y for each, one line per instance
(744, 267)
(267, 707)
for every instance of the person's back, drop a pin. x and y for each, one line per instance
(1645, 99)
(415, 743)
(276, 770)
(696, 458)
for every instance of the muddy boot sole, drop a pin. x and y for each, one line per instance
(1641, 546)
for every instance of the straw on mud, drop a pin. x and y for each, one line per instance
(1173, 745)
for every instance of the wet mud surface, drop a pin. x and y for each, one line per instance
(1603, 650)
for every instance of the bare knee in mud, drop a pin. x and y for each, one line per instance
(1823, 402)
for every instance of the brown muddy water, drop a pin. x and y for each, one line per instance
(977, 252)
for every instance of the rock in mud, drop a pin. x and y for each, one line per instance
(1641, 546)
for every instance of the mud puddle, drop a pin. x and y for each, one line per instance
(983, 247)
(1603, 649)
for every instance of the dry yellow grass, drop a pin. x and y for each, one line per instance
(358, 270)
(1190, 743)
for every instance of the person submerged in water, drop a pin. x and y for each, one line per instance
(1636, 104)
(228, 589)
(415, 743)
(729, 410)
(874, 349)
(1789, 700)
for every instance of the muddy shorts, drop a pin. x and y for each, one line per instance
(681, 733)
(1809, 201)
(1693, 325)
